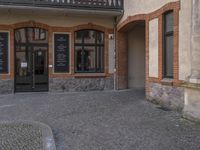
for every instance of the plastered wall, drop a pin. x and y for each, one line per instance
(53, 19)
(184, 39)
(111, 55)
(153, 48)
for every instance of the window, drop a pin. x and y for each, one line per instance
(168, 44)
(89, 51)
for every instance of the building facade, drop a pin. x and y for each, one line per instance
(74, 45)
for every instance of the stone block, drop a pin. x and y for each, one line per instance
(168, 96)
(80, 84)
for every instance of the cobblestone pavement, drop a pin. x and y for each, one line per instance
(20, 136)
(103, 121)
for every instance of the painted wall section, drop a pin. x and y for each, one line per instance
(53, 19)
(136, 57)
(111, 55)
(153, 48)
(184, 39)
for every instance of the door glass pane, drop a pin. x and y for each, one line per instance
(40, 79)
(169, 56)
(23, 68)
(89, 58)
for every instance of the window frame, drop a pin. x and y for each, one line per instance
(165, 35)
(96, 45)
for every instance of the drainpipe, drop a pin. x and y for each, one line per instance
(115, 22)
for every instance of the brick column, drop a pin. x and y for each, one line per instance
(122, 61)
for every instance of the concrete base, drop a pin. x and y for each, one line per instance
(81, 84)
(167, 96)
(192, 104)
(67, 85)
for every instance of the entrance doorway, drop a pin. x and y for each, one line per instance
(136, 56)
(31, 60)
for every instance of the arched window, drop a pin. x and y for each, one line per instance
(89, 51)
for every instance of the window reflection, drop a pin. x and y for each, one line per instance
(89, 47)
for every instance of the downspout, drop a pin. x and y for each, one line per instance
(115, 22)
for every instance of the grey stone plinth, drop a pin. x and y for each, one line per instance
(167, 96)
(191, 109)
(6, 86)
(80, 84)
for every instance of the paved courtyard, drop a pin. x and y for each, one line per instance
(103, 121)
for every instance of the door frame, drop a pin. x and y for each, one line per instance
(32, 45)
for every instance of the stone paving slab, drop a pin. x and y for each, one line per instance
(25, 136)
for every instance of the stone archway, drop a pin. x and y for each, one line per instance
(131, 54)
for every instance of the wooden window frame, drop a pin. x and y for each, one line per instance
(96, 45)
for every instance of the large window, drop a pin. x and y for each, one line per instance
(89, 51)
(168, 44)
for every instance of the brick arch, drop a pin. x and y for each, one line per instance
(131, 20)
(122, 48)
(90, 26)
(31, 24)
(143, 17)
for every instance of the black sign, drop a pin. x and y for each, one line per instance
(61, 53)
(3, 52)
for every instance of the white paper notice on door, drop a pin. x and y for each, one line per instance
(24, 65)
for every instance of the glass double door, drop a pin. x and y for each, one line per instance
(31, 68)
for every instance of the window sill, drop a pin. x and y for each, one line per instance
(167, 81)
(90, 75)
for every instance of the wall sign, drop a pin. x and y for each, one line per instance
(61, 53)
(4, 52)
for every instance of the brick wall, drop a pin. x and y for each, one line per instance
(122, 51)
